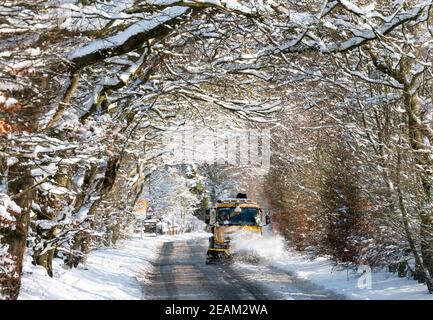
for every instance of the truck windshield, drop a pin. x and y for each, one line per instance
(247, 216)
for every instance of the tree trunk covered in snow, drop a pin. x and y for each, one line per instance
(419, 135)
(20, 187)
(417, 139)
(421, 273)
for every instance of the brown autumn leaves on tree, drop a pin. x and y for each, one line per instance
(345, 87)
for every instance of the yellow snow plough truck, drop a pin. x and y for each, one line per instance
(231, 219)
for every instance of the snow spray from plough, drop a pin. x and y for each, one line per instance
(235, 221)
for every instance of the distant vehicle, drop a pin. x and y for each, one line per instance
(229, 217)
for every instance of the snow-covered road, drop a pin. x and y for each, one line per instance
(173, 267)
(181, 273)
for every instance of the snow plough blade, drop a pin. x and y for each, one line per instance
(218, 257)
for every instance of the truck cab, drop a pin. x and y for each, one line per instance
(231, 217)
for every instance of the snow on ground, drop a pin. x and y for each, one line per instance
(379, 284)
(119, 273)
(108, 274)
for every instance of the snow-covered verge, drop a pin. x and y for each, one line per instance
(359, 285)
(108, 274)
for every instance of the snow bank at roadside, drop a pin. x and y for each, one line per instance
(108, 274)
(378, 284)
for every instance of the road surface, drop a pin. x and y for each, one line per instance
(181, 273)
